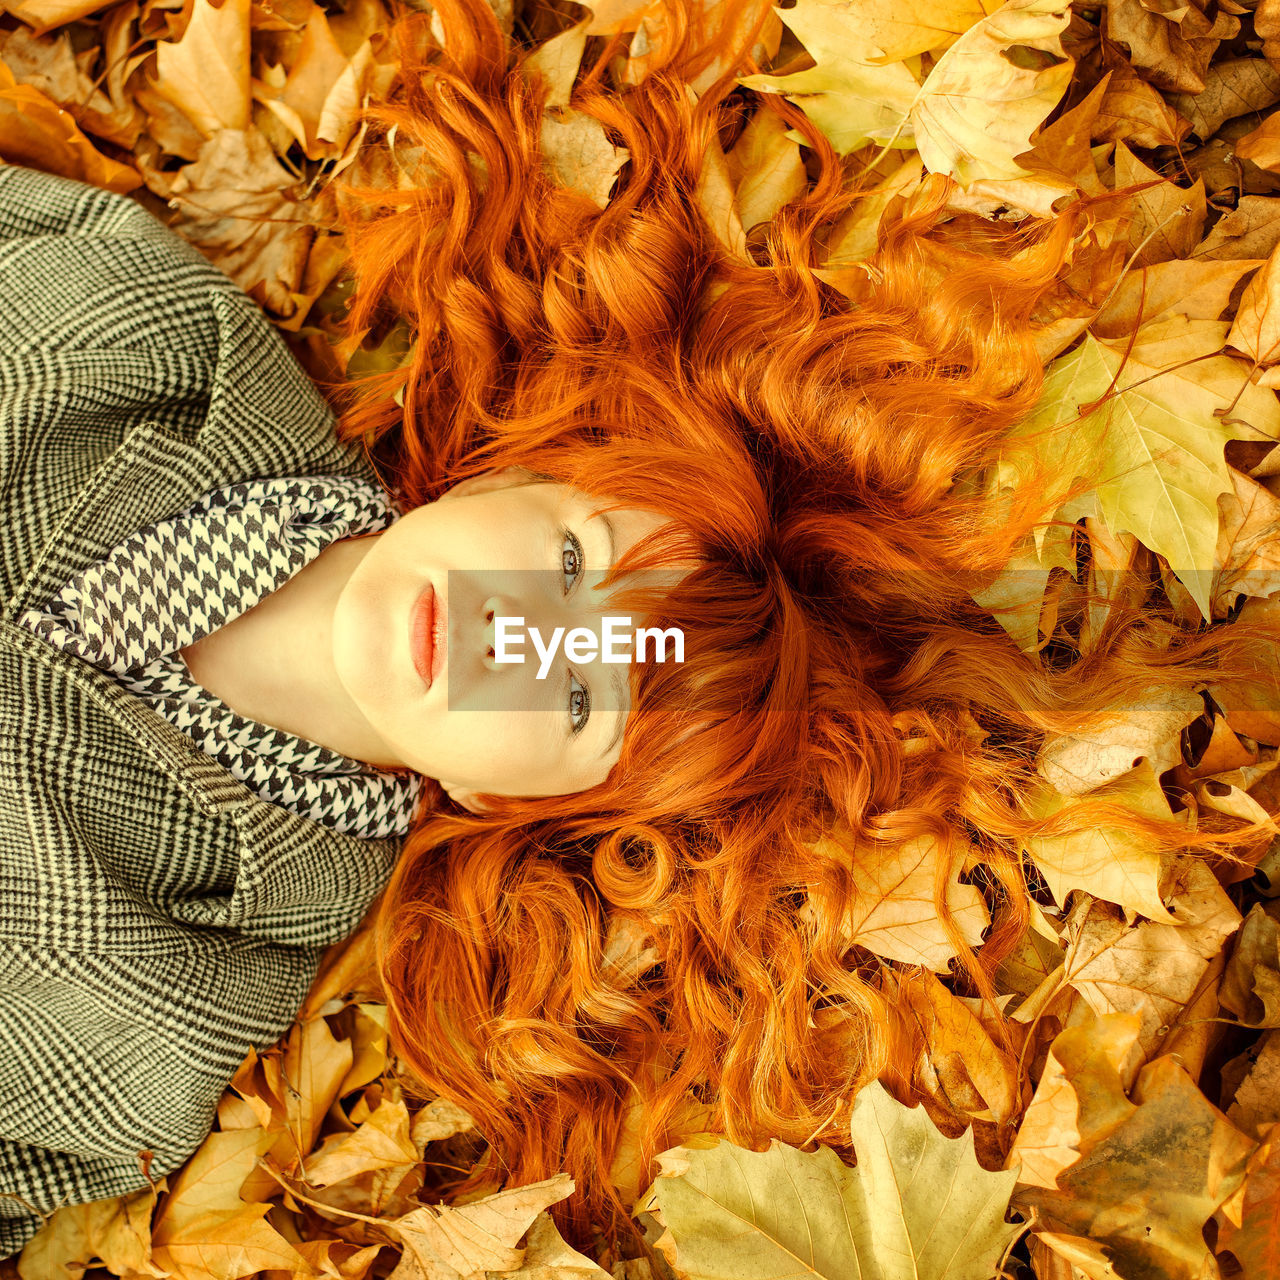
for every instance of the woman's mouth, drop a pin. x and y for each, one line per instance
(428, 640)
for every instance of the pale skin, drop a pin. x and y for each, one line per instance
(328, 656)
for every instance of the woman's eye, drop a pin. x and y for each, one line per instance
(579, 704)
(572, 560)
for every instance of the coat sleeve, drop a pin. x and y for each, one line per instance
(105, 1057)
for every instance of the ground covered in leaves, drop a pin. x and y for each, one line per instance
(1134, 1132)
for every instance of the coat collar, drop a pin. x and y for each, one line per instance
(157, 473)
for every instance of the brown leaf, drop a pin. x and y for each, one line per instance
(1133, 111)
(1104, 861)
(1256, 1101)
(1168, 1147)
(1250, 230)
(579, 154)
(444, 1242)
(206, 73)
(35, 131)
(1255, 1240)
(319, 100)
(49, 65)
(437, 1120)
(1148, 727)
(1080, 1096)
(1173, 47)
(233, 205)
(381, 1142)
(116, 1232)
(44, 15)
(1194, 289)
(1256, 329)
(1152, 969)
(1248, 553)
(204, 1231)
(1251, 985)
(975, 1078)
(765, 168)
(1168, 219)
(1232, 87)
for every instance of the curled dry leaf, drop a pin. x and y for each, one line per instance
(1251, 985)
(35, 131)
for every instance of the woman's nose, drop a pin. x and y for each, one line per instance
(513, 638)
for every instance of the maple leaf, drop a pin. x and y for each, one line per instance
(850, 95)
(205, 74)
(891, 911)
(980, 104)
(917, 1206)
(35, 131)
(579, 154)
(1254, 1238)
(1152, 970)
(443, 1242)
(1168, 1146)
(1153, 444)
(1105, 861)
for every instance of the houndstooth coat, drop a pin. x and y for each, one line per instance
(157, 918)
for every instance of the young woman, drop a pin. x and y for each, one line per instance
(230, 668)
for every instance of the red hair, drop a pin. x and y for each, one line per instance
(807, 452)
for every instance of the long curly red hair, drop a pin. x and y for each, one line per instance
(806, 450)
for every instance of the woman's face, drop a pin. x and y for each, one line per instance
(454, 566)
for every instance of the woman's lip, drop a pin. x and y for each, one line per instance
(439, 634)
(422, 643)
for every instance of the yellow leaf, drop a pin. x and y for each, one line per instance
(1170, 1147)
(1149, 727)
(1048, 1139)
(381, 1142)
(319, 102)
(206, 73)
(987, 94)
(480, 1236)
(1160, 227)
(1107, 862)
(1154, 968)
(580, 155)
(36, 131)
(765, 168)
(891, 912)
(1256, 329)
(848, 95)
(1155, 448)
(917, 1205)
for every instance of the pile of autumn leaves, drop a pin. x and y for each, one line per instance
(1134, 1130)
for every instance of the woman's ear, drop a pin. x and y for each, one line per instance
(463, 796)
(503, 478)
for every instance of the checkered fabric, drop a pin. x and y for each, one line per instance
(177, 581)
(157, 916)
